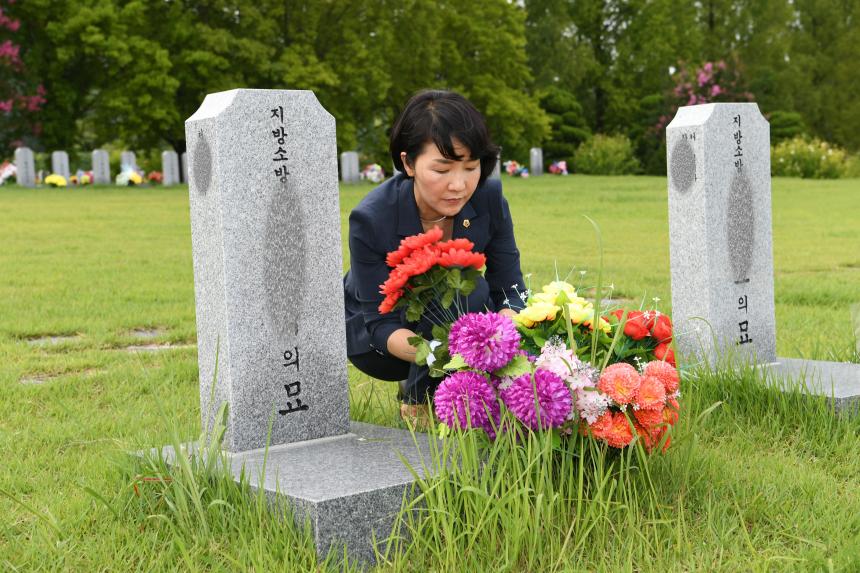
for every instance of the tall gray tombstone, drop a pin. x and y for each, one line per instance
(101, 167)
(60, 163)
(25, 167)
(183, 162)
(497, 170)
(127, 159)
(265, 227)
(349, 169)
(169, 168)
(536, 161)
(721, 248)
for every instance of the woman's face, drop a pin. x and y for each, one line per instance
(442, 186)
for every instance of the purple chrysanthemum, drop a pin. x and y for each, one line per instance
(467, 396)
(554, 401)
(486, 340)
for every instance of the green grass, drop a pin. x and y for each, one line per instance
(765, 482)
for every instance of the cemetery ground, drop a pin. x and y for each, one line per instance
(97, 358)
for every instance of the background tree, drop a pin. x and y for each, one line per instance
(20, 97)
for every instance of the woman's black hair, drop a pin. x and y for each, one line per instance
(442, 116)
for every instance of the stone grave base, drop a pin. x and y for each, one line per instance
(349, 487)
(838, 381)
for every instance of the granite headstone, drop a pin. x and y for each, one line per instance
(267, 265)
(169, 168)
(60, 163)
(720, 243)
(536, 161)
(25, 167)
(721, 251)
(266, 244)
(349, 170)
(127, 159)
(101, 167)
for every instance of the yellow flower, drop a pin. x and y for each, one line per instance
(537, 312)
(135, 178)
(556, 287)
(579, 313)
(55, 180)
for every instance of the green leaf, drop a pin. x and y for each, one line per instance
(518, 366)
(467, 287)
(421, 353)
(454, 278)
(447, 298)
(440, 333)
(456, 363)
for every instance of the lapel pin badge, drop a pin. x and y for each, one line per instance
(466, 223)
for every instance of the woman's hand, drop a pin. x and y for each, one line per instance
(509, 312)
(398, 344)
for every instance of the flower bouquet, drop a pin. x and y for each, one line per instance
(548, 366)
(558, 168)
(55, 180)
(514, 169)
(372, 172)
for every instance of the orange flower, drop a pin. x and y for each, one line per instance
(650, 419)
(665, 372)
(461, 258)
(600, 428)
(619, 434)
(651, 394)
(413, 243)
(670, 412)
(620, 382)
(649, 438)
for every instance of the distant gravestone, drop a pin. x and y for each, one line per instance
(25, 167)
(265, 226)
(349, 169)
(127, 159)
(101, 167)
(60, 163)
(720, 241)
(183, 162)
(536, 161)
(721, 250)
(497, 170)
(170, 168)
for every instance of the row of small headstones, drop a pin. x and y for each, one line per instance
(349, 170)
(25, 167)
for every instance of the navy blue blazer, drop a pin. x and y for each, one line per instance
(388, 214)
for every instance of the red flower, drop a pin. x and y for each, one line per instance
(649, 438)
(397, 279)
(413, 243)
(460, 244)
(638, 324)
(389, 301)
(662, 329)
(664, 352)
(461, 258)
(420, 261)
(670, 412)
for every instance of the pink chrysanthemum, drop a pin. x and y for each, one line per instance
(665, 372)
(543, 395)
(620, 382)
(486, 340)
(465, 397)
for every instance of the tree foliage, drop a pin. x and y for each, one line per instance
(131, 71)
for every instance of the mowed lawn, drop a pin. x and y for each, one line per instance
(96, 266)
